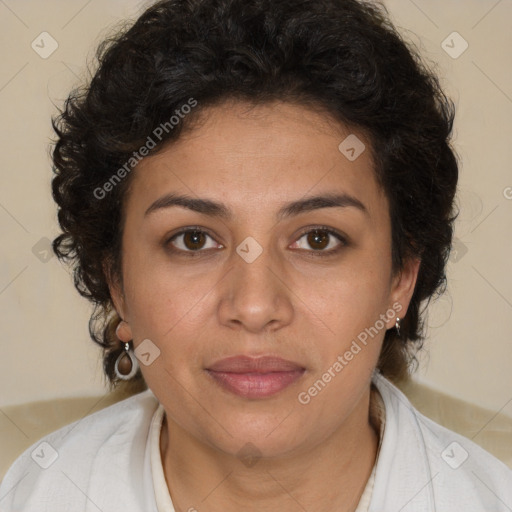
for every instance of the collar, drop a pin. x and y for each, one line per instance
(403, 479)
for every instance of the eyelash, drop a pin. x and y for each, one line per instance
(312, 252)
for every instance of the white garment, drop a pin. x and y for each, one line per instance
(104, 463)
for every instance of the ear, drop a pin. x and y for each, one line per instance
(403, 284)
(115, 288)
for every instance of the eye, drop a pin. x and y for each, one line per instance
(323, 240)
(191, 240)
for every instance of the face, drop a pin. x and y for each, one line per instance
(247, 264)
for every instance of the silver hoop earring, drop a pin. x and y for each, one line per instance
(126, 365)
(397, 325)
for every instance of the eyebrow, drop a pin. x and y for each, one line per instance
(219, 210)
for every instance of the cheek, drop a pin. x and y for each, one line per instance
(158, 294)
(351, 306)
(350, 297)
(171, 309)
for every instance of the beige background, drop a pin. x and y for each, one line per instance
(45, 348)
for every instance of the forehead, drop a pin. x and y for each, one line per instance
(251, 156)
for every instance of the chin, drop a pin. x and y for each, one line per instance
(256, 436)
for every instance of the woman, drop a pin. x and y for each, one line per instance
(258, 198)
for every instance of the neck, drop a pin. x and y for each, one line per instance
(332, 476)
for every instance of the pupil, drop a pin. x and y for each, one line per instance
(317, 239)
(195, 238)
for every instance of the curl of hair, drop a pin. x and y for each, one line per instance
(343, 57)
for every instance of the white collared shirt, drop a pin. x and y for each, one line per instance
(104, 462)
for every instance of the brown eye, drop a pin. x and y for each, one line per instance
(192, 240)
(321, 241)
(318, 239)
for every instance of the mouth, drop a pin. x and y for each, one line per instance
(255, 378)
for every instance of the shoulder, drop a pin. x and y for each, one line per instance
(63, 462)
(449, 464)
(123, 419)
(458, 462)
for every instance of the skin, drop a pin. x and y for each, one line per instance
(289, 302)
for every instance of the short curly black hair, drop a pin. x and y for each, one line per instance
(342, 56)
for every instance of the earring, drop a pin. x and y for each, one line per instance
(126, 365)
(397, 325)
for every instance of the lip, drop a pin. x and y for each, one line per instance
(251, 377)
(246, 364)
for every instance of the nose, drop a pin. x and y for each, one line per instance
(255, 296)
